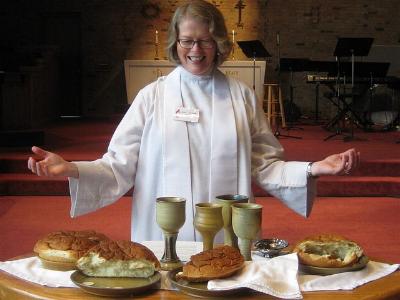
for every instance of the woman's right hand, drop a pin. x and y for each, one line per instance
(50, 164)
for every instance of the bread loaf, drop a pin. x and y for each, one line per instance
(67, 246)
(328, 251)
(216, 263)
(119, 259)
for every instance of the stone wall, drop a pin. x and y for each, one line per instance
(112, 31)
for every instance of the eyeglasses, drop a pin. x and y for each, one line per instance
(189, 44)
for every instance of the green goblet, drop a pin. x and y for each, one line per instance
(170, 216)
(208, 221)
(226, 201)
(246, 222)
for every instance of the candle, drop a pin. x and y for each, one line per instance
(156, 36)
(233, 36)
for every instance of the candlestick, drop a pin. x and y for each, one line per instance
(156, 46)
(233, 45)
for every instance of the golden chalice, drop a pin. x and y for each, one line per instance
(170, 216)
(226, 201)
(246, 222)
(208, 221)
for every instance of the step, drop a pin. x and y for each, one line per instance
(14, 165)
(30, 184)
(363, 186)
(350, 186)
(17, 184)
(379, 167)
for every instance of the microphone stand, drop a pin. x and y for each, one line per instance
(338, 130)
(277, 131)
(291, 105)
(351, 120)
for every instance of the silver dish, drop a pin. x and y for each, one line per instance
(270, 247)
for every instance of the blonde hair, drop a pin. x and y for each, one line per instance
(207, 13)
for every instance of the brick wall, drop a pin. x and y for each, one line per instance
(112, 31)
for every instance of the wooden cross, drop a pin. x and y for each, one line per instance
(239, 5)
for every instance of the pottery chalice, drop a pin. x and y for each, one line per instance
(246, 223)
(208, 221)
(170, 216)
(226, 201)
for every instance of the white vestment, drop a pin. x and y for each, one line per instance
(229, 146)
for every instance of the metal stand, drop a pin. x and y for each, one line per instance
(351, 137)
(337, 119)
(291, 104)
(277, 132)
(316, 114)
(346, 47)
(253, 49)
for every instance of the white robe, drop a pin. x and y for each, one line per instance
(228, 147)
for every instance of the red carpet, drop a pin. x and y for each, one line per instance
(379, 174)
(372, 222)
(25, 219)
(31, 206)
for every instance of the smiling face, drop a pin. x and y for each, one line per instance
(196, 60)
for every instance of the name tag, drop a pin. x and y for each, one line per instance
(187, 114)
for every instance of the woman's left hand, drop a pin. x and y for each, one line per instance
(337, 164)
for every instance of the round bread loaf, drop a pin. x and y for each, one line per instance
(219, 262)
(328, 251)
(67, 246)
(119, 259)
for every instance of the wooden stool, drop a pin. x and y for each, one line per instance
(274, 104)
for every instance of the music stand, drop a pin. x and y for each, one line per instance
(253, 49)
(349, 47)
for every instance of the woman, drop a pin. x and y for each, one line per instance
(195, 134)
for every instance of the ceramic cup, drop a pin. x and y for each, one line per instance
(208, 221)
(246, 223)
(226, 201)
(170, 216)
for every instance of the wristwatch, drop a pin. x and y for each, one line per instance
(308, 171)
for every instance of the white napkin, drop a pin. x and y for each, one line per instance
(347, 280)
(31, 269)
(276, 277)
